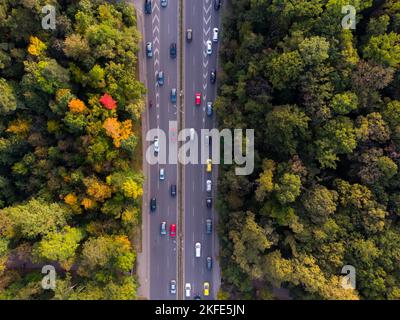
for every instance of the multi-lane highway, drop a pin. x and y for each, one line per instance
(201, 17)
(159, 259)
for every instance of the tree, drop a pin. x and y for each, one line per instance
(60, 246)
(320, 203)
(249, 245)
(314, 50)
(338, 136)
(107, 255)
(288, 188)
(285, 69)
(344, 103)
(384, 49)
(34, 218)
(46, 75)
(285, 126)
(8, 99)
(76, 47)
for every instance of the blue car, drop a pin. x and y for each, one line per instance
(160, 78)
(147, 6)
(173, 95)
(164, 3)
(209, 109)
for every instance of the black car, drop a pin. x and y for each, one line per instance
(213, 76)
(173, 190)
(197, 298)
(172, 50)
(217, 4)
(153, 204)
(147, 6)
(209, 202)
(209, 263)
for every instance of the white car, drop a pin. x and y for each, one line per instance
(208, 185)
(192, 133)
(215, 34)
(209, 47)
(162, 174)
(172, 287)
(156, 145)
(197, 247)
(188, 287)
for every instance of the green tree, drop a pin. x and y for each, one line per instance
(34, 218)
(8, 99)
(60, 246)
(384, 49)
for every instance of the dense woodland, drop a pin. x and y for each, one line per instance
(70, 110)
(325, 106)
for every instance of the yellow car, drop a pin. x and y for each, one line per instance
(206, 288)
(209, 164)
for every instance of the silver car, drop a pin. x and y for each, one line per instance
(162, 174)
(172, 287)
(209, 47)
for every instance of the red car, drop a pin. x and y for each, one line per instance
(198, 99)
(172, 230)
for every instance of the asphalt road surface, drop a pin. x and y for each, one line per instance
(202, 18)
(162, 28)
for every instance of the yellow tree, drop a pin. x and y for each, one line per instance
(36, 46)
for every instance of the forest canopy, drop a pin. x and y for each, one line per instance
(325, 105)
(70, 110)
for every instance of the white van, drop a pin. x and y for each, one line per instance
(188, 287)
(215, 35)
(197, 249)
(208, 185)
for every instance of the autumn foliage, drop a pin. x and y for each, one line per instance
(108, 102)
(76, 106)
(36, 46)
(118, 131)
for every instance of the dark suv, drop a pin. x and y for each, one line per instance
(217, 4)
(147, 6)
(213, 76)
(172, 50)
(153, 204)
(173, 190)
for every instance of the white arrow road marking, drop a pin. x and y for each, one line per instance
(156, 40)
(156, 51)
(207, 20)
(156, 30)
(156, 18)
(207, 9)
(205, 63)
(206, 32)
